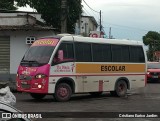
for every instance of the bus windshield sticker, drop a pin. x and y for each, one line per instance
(45, 42)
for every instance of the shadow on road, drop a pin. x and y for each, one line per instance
(76, 97)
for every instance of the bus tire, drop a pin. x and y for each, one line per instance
(37, 96)
(95, 93)
(63, 92)
(121, 88)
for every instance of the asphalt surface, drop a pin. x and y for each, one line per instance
(84, 107)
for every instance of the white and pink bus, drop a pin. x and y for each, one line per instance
(64, 65)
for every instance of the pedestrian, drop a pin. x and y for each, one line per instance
(6, 95)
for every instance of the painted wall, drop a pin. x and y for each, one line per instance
(84, 25)
(87, 25)
(18, 46)
(22, 20)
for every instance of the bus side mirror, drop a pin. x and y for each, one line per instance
(60, 55)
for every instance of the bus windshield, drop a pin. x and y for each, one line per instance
(38, 54)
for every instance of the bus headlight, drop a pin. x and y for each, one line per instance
(39, 76)
(39, 86)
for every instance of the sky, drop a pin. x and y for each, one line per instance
(128, 19)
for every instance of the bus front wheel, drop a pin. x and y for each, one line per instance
(37, 96)
(63, 92)
(120, 89)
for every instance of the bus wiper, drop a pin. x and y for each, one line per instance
(33, 61)
(24, 60)
(30, 61)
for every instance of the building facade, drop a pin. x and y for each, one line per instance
(18, 30)
(85, 25)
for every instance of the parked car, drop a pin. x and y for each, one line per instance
(6, 113)
(153, 71)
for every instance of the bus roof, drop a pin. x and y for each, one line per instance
(78, 38)
(102, 40)
(59, 36)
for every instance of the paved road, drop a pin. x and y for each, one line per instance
(142, 100)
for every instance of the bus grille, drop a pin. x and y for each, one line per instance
(25, 77)
(25, 86)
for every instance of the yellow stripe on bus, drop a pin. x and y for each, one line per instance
(110, 68)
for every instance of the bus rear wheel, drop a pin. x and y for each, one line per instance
(63, 92)
(120, 89)
(37, 96)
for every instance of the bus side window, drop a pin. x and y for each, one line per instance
(65, 50)
(58, 56)
(136, 54)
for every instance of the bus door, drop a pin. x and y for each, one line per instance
(62, 62)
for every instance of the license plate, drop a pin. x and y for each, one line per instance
(25, 86)
(24, 82)
(155, 76)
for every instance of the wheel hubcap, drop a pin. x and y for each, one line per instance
(121, 88)
(62, 92)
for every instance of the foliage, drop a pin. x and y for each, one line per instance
(7, 5)
(51, 11)
(152, 39)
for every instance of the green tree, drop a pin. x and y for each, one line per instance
(152, 40)
(7, 5)
(51, 11)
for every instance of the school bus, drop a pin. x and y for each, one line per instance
(65, 65)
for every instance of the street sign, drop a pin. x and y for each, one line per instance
(96, 34)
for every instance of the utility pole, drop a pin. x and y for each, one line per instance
(79, 24)
(86, 29)
(110, 37)
(100, 28)
(64, 12)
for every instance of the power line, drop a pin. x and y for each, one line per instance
(90, 7)
(100, 26)
(89, 14)
(86, 12)
(129, 27)
(93, 12)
